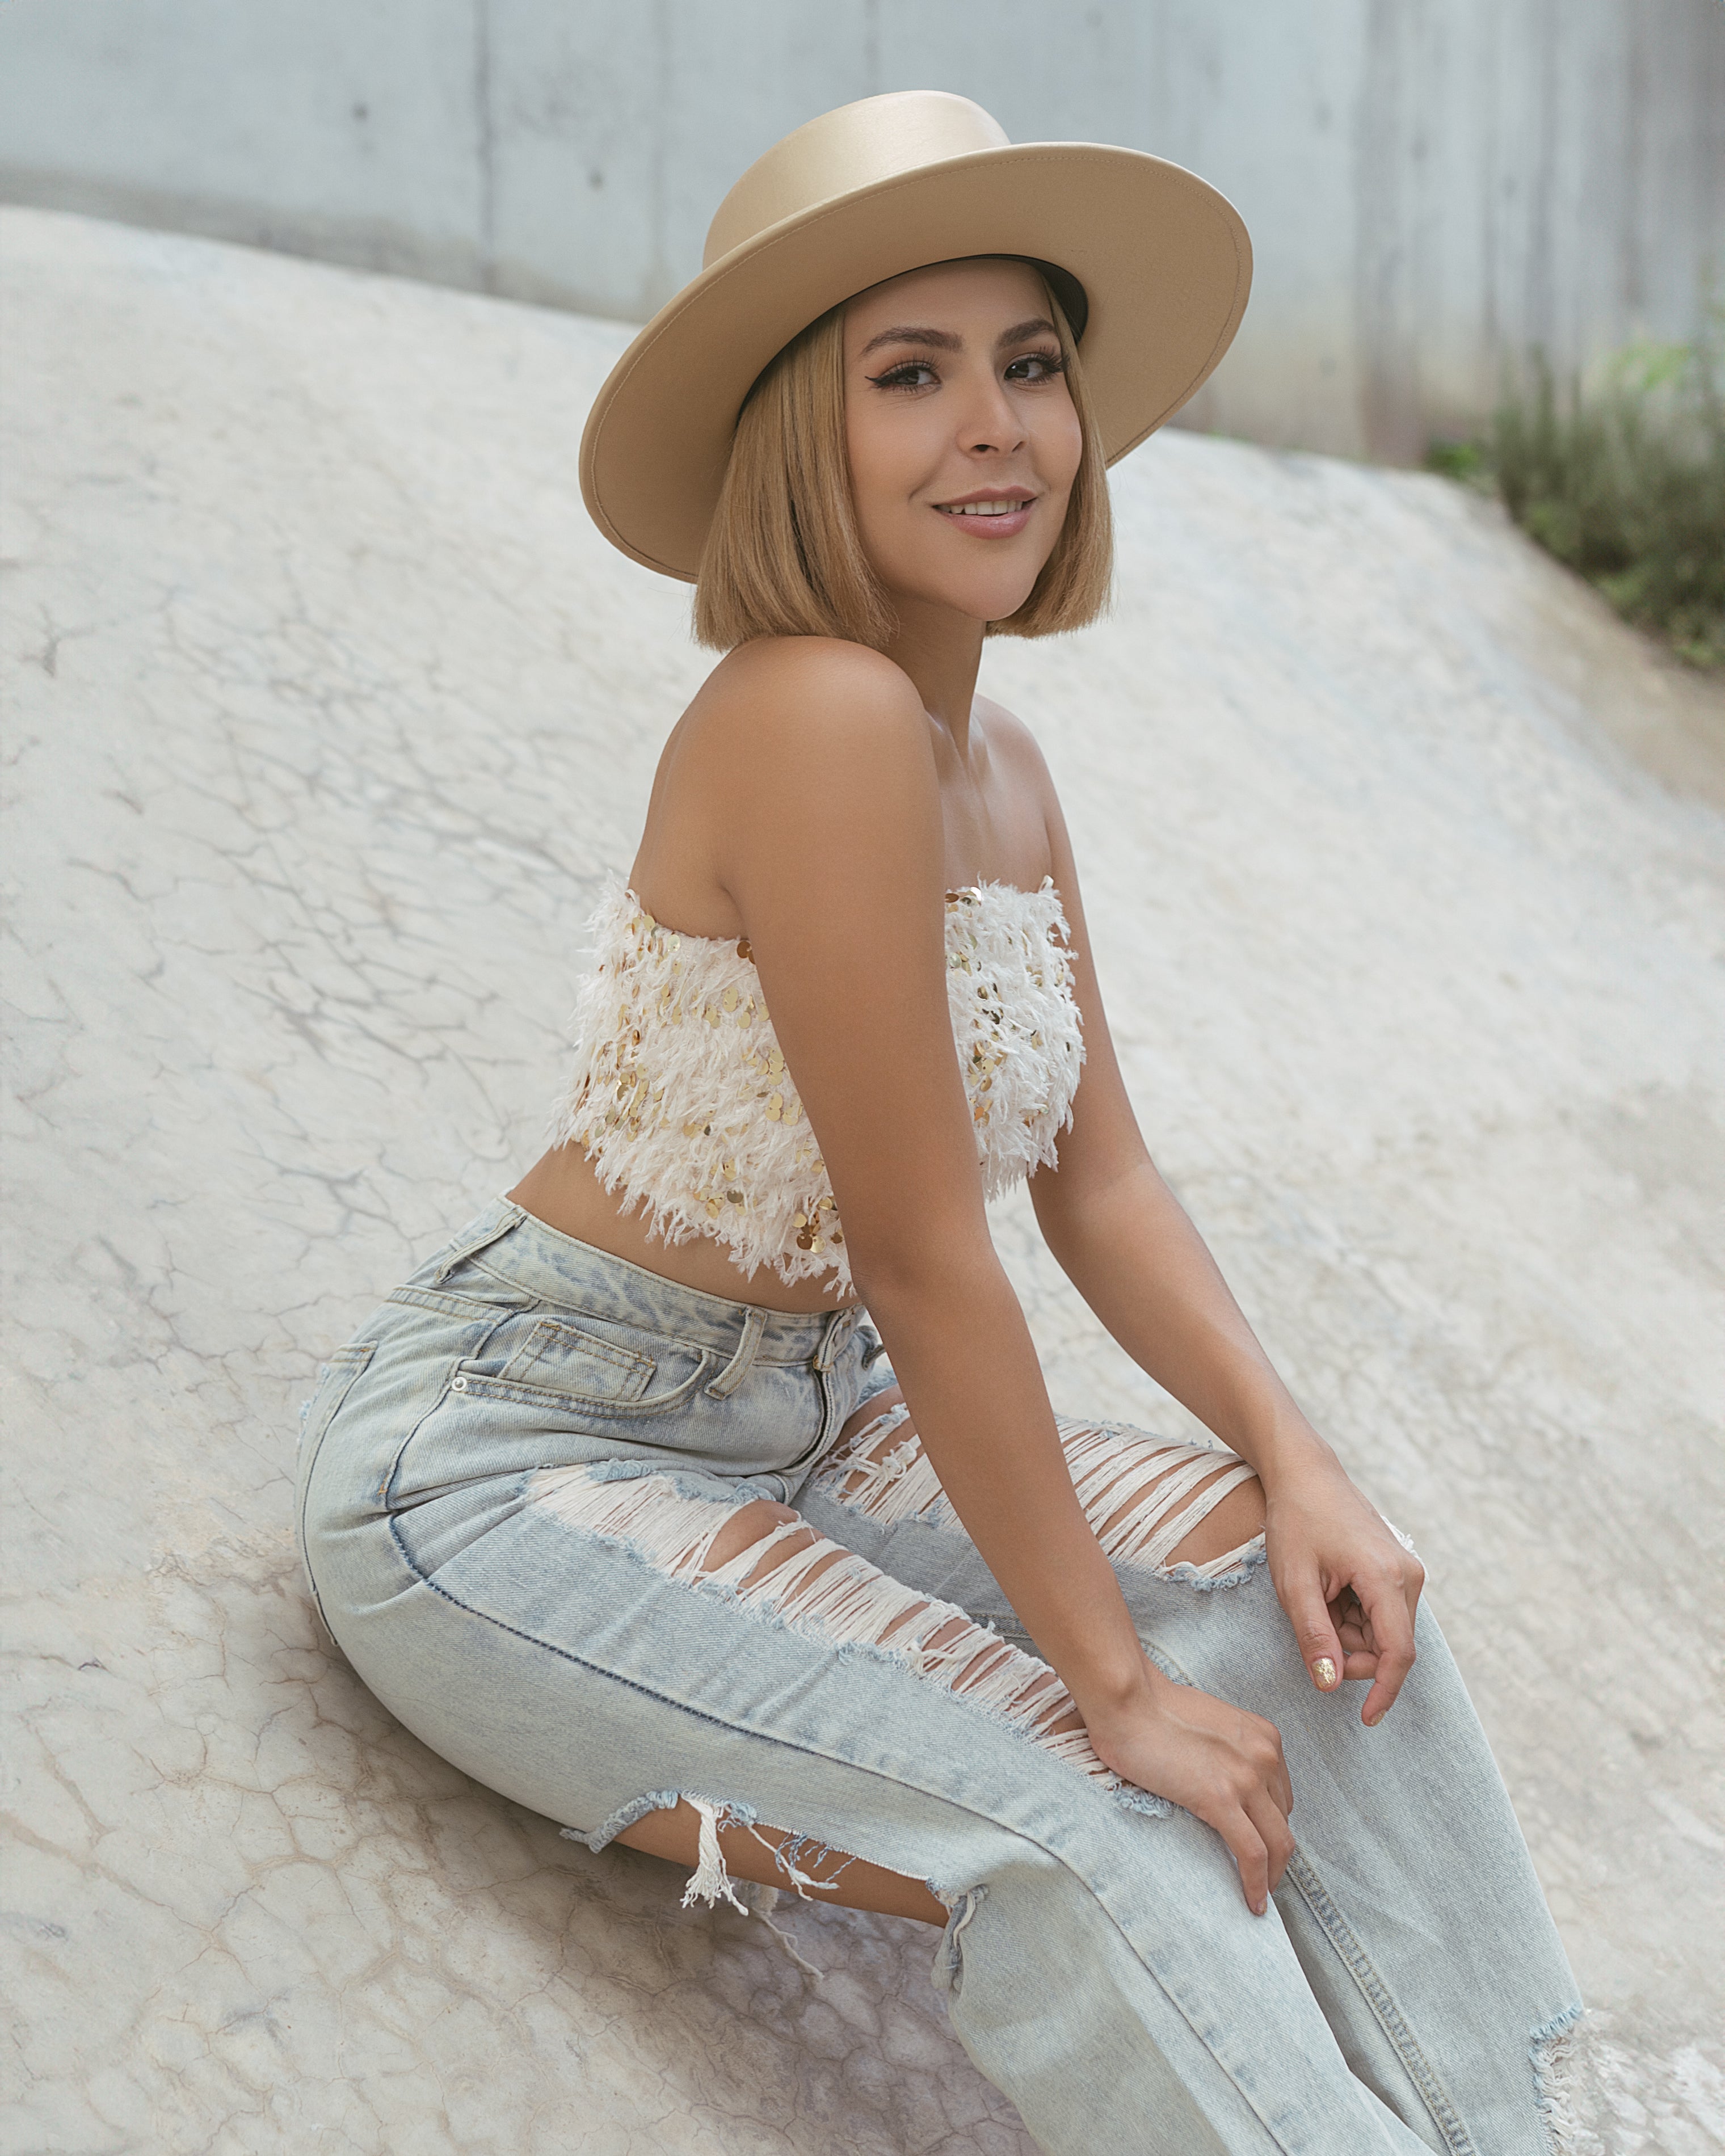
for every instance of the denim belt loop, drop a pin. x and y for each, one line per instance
(737, 1369)
(496, 1224)
(838, 1327)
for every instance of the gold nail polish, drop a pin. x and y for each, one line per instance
(1324, 1669)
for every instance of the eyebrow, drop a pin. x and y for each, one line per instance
(944, 340)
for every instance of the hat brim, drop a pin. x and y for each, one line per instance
(1164, 259)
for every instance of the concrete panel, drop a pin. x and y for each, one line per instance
(321, 126)
(1433, 186)
(617, 133)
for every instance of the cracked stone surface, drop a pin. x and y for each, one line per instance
(327, 708)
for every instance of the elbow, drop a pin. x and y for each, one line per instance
(901, 1277)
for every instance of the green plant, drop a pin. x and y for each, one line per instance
(1625, 482)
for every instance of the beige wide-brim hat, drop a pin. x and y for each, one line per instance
(890, 184)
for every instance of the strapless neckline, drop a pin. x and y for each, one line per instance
(682, 1099)
(989, 887)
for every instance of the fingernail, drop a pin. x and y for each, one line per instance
(1373, 1720)
(1324, 1669)
(1258, 1908)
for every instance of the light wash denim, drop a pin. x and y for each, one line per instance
(501, 1477)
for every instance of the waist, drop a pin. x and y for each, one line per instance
(546, 1263)
(563, 1193)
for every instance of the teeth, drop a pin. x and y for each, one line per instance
(981, 508)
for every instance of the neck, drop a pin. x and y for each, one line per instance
(942, 651)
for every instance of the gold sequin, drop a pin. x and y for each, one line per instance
(621, 1090)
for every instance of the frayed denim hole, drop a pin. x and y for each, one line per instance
(1554, 2054)
(623, 1818)
(1148, 1805)
(618, 1470)
(822, 1592)
(698, 1487)
(1182, 1574)
(947, 1973)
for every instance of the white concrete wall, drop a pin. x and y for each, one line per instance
(1431, 185)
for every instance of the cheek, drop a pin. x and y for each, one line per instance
(876, 481)
(1060, 447)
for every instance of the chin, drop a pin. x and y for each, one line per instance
(983, 599)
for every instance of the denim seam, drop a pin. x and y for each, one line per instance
(846, 1651)
(630, 1359)
(1126, 1798)
(579, 1309)
(457, 1252)
(444, 1302)
(551, 1303)
(1376, 1996)
(354, 1358)
(696, 1714)
(940, 1796)
(480, 1384)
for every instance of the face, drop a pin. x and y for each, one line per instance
(963, 437)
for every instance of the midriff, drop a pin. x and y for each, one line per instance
(562, 1189)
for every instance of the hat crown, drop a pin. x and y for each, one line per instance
(855, 146)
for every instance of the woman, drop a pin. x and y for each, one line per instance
(616, 1502)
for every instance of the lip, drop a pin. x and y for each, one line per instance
(1002, 525)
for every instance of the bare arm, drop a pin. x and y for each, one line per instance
(827, 838)
(1128, 1245)
(832, 854)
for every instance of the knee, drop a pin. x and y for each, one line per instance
(748, 1524)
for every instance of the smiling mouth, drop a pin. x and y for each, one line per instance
(1003, 506)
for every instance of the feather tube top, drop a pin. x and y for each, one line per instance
(680, 1094)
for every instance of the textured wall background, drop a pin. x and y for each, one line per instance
(326, 707)
(1431, 185)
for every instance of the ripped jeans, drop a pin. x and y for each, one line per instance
(508, 1481)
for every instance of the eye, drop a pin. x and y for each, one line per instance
(1042, 366)
(904, 376)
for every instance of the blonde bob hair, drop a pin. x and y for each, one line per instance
(784, 556)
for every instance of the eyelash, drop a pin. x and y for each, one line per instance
(897, 377)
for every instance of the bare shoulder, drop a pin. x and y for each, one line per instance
(790, 696)
(794, 747)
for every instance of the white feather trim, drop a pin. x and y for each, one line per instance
(680, 1095)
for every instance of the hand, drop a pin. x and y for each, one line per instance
(1224, 1765)
(1349, 1587)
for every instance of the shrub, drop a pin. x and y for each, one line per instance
(1625, 482)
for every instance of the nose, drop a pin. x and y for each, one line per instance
(990, 426)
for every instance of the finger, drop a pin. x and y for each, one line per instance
(1392, 1629)
(1360, 1664)
(1276, 1778)
(1245, 1844)
(1275, 1835)
(1320, 1649)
